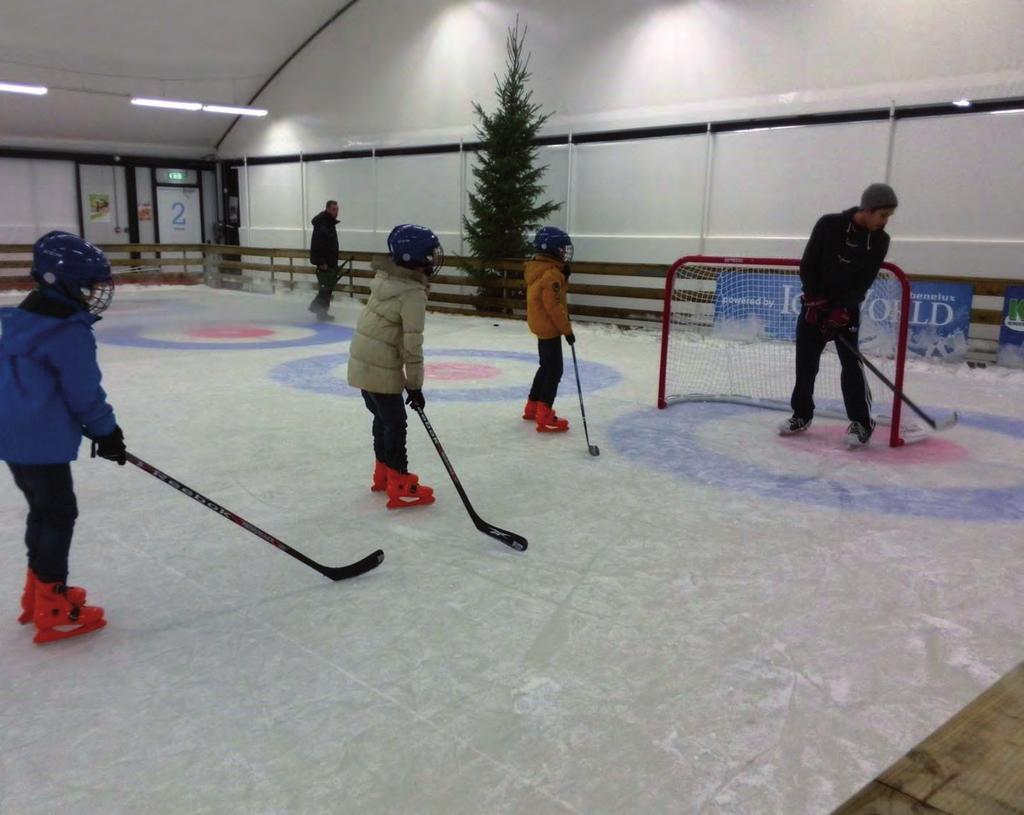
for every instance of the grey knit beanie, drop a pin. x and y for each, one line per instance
(878, 196)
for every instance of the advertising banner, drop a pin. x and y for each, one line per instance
(751, 305)
(1011, 329)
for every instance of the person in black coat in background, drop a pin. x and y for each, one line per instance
(841, 261)
(323, 253)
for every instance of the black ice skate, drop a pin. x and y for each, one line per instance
(857, 435)
(793, 425)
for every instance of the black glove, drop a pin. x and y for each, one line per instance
(416, 400)
(570, 338)
(111, 447)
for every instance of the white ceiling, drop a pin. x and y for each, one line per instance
(207, 50)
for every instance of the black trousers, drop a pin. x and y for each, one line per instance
(389, 428)
(809, 345)
(327, 279)
(52, 510)
(549, 374)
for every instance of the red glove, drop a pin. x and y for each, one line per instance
(815, 308)
(837, 319)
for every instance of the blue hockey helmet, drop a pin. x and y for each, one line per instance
(74, 268)
(550, 240)
(416, 247)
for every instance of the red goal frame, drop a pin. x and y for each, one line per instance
(895, 439)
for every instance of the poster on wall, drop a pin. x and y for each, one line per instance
(1011, 329)
(749, 306)
(99, 207)
(940, 320)
(146, 211)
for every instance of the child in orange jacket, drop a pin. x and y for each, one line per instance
(547, 314)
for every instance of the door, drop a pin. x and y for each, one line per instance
(180, 214)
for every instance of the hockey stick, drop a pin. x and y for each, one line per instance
(333, 572)
(517, 542)
(945, 424)
(591, 448)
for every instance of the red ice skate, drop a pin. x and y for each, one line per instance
(548, 422)
(380, 477)
(405, 490)
(28, 598)
(60, 613)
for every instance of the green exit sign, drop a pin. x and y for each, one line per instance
(177, 175)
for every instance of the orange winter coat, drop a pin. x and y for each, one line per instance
(547, 312)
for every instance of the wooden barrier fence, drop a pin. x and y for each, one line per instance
(634, 289)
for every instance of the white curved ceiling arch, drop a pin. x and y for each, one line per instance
(220, 51)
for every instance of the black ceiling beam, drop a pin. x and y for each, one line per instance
(284, 65)
(634, 134)
(114, 159)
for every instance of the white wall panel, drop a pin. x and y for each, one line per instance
(350, 183)
(419, 190)
(776, 183)
(651, 187)
(556, 182)
(961, 176)
(36, 197)
(638, 200)
(275, 206)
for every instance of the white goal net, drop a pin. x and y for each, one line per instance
(728, 333)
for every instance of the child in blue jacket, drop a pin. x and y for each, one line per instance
(50, 396)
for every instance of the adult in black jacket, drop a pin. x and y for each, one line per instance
(841, 261)
(323, 253)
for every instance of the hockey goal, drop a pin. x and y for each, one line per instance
(728, 329)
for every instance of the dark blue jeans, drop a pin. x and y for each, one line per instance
(52, 510)
(549, 374)
(389, 428)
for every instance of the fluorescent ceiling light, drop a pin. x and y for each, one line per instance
(1012, 110)
(760, 129)
(234, 110)
(15, 87)
(166, 103)
(962, 103)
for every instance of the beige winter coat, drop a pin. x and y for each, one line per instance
(389, 334)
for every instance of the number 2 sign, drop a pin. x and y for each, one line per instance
(179, 214)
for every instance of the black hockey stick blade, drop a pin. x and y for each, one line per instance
(368, 563)
(517, 542)
(332, 572)
(510, 539)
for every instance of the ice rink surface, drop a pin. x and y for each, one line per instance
(709, 619)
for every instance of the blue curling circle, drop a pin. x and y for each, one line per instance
(660, 439)
(317, 374)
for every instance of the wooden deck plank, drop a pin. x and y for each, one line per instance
(878, 799)
(972, 765)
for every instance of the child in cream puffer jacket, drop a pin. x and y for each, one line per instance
(386, 356)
